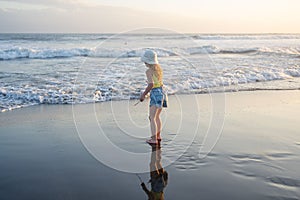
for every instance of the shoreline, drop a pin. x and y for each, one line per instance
(281, 85)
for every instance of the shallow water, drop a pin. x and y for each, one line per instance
(86, 68)
(256, 157)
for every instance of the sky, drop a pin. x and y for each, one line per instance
(184, 16)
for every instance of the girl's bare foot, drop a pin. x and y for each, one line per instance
(158, 136)
(153, 140)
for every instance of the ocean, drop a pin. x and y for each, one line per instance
(87, 68)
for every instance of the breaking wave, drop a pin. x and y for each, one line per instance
(31, 53)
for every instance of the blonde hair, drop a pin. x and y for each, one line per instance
(157, 70)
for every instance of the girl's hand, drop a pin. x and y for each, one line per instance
(142, 98)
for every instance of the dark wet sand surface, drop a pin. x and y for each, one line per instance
(257, 155)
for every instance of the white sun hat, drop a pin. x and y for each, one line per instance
(149, 57)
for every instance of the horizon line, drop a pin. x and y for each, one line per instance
(121, 32)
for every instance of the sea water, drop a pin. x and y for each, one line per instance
(87, 68)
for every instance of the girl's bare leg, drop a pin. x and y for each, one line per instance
(152, 118)
(158, 122)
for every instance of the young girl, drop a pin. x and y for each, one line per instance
(154, 75)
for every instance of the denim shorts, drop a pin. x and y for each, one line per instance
(156, 97)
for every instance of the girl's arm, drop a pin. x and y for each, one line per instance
(150, 84)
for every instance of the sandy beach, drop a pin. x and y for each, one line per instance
(241, 145)
(79, 77)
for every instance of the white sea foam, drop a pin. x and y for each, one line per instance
(32, 53)
(34, 69)
(17, 53)
(88, 89)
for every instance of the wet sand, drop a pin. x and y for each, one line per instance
(242, 145)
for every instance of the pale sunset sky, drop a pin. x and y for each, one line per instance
(186, 16)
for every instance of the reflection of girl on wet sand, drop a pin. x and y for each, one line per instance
(159, 177)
